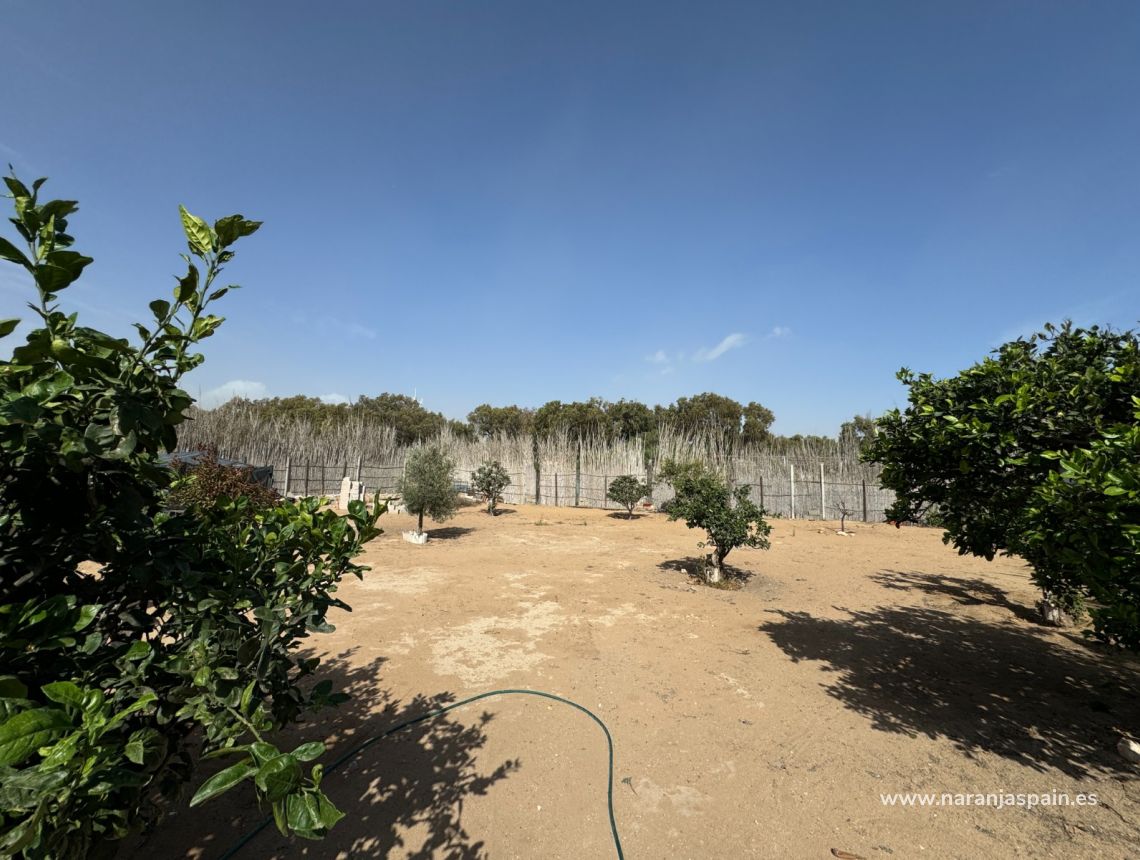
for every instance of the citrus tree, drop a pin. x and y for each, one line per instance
(489, 481)
(1033, 452)
(136, 638)
(730, 519)
(627, 491)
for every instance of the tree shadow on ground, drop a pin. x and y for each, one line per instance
(694, 565)
(987, 687)
(622, 515)
(967, 592)
(501, 511)
(448, 532)
(403, 794)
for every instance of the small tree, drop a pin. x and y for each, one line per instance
(844, 510)
(704, 501)
(627, 491)
(427, 488)
(489, 481)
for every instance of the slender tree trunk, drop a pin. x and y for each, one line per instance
(714, 573)
(421, 527)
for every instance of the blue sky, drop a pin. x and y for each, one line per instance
(516, 202)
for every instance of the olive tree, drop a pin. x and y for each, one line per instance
(427, 486)
(730, 519)
(627, 491)
(489, 481)
(1032, 452)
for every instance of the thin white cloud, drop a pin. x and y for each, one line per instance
(732, 341)
(229, 390)
(658, 357)
(361, 331)
(332, 398)
(779, 331)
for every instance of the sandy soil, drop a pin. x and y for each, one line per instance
(761, 722)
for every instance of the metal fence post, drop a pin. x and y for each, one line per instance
(864, 500)
(605, 491)
(792, 466)
(555, 489)
(359, 467)
(822, 496)
(761, 492)
(288, 468)
(306, 490)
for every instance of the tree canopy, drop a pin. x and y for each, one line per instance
(428, 486)
(1032, 452)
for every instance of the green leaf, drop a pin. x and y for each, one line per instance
(18, 188)
(279, 776)
(303, 817)
(198, 232)
(263, 752)
(223, 781)
(65, 693)
(187, 285)
(233, 227)
(27, 731)
(86, 616)
(12, 687)
(146, 747)
(327, 813)
(12, 254)
(59, 270)
(138, 650)
(1113, 490)
(160, 308)
(8, 326)
(247, 696)
(309, 751)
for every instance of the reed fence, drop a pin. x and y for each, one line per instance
(808, 480)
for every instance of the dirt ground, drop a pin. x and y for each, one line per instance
(760, 722)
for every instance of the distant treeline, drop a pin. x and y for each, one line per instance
(707, 414)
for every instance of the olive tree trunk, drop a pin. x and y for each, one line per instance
(714, 567)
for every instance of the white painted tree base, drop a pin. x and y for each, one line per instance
(415, 537)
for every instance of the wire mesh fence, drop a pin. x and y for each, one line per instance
(781, 489)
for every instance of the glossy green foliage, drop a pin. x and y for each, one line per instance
(135, 637)
(1033, 452)
(729, 519)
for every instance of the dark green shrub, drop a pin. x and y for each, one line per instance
(135, 639)
(489, 481)
(627, 491)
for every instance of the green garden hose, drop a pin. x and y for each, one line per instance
(249, 837)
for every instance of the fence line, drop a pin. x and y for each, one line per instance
(800, 494)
